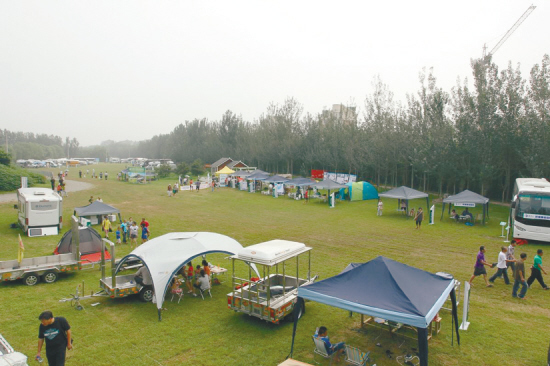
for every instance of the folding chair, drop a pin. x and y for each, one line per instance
(354, 356)
(408, 360)
(177, 292)
(321, 350)
(205, 290)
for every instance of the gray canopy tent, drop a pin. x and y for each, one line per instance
(97, 209)
(329, 184)
(406, 193)
(467, 198)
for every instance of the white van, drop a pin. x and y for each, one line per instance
(40, 211)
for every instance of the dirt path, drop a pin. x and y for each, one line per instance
(72, 186)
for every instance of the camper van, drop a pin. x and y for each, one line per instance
(39, 211)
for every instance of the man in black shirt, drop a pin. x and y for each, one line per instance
(57, 333)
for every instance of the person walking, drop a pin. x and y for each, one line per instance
(52, 181)
(169, 190)
(536, 271)
(479, 267)
(502, 268)
(419, 217)
(56, 332)
(106, 226)
(198, 185)
(510, 258)
(519, 277)
(124, 227)
(380, 207)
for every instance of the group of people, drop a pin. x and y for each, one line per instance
(418, 216)
(128, 229)
(507, 259)
(465, 215)
(172, 190)
(195, 278)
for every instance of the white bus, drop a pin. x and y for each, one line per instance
(530, 209)
(39, 211)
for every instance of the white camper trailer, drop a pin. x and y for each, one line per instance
(39, 211)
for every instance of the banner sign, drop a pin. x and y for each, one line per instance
(134, 169)
(536, 217)
(465, 205)
(341, 178)
(317, 174)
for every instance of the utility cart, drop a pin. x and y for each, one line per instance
(273, 296)
(118, 286)
(48, 268)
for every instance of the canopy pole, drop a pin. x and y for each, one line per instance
(442, 211)
(455, 314)
(423, 346)
(299, 304)
(160, 315)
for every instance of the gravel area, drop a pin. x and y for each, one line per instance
(71, 186)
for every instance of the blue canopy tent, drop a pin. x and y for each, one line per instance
(275, 179)
(389, 290)
(300, 182)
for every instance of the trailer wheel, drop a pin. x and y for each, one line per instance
(31, 279)
(146, 294)
(50, 277)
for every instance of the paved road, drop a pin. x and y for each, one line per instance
(71, 186)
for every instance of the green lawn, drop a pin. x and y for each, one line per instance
(503, 331)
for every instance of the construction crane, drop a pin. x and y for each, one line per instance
(508, 34)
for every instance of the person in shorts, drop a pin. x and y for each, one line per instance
(133, 233)
(419, 217)
(479, 267)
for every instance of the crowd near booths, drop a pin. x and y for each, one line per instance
(404, 195)
(329, 185)
(389, 290)
(166, 255)
(466, 200)
(95, 211)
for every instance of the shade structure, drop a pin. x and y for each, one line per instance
(276, 179)
(165, 255)
(258, 175)
(96, 208)
(467, 198)
(241, 173)
(328, 184)
(225, 170)
(300, 182)
(390, 290)
(406, 193)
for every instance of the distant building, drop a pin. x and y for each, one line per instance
(342, 112)
(226, 162)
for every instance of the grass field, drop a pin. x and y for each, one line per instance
(503, 330)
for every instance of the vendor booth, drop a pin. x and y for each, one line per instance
(467, 199)
(329, 185)
(165, 255)
(223, 174)
(95, 212)
(254, 178)
(388, 290)
(405, 194)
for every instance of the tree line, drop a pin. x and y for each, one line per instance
(478, 136)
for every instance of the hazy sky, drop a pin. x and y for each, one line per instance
(99, 70)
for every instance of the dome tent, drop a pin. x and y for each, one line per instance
(90, 244)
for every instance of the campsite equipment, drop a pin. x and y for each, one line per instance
(164, 256)
(48, 268)
(89, 245)
(95, 212)
(39, 211)
(274, 295)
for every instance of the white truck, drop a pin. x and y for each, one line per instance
(273, 296)
(39, 211)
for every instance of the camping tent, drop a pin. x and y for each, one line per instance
(98, 209)
(389, 290)
(467, 199)
(225, 170)
(90, 244)
(360, 191)
(165, 255)
(406, 193)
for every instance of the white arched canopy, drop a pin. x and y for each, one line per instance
(165, 255)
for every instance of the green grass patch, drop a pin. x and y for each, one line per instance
(503, 331)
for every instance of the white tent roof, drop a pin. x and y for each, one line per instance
(166, 254)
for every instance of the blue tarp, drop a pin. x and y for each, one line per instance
(384, 288)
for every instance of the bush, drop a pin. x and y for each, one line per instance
(163, 171)
(10, 178)
(5, 158)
